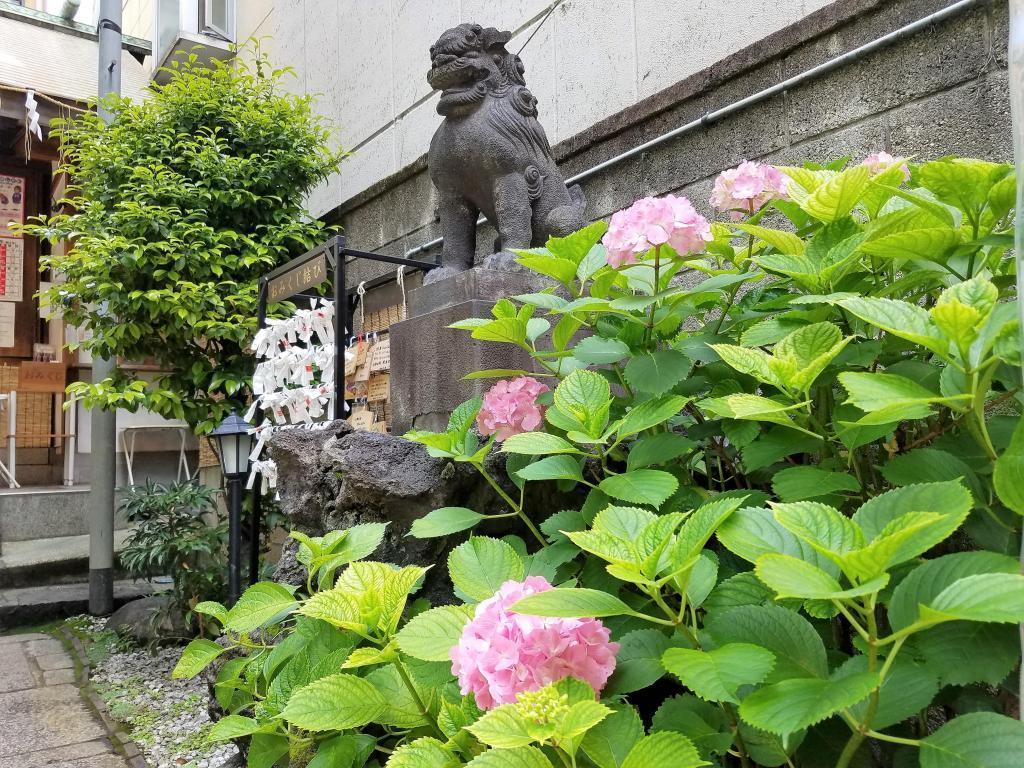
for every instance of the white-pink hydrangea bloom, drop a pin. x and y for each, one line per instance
(882, 161)
(510, 407)
(748, 186)
(655, 221)
(502, 654)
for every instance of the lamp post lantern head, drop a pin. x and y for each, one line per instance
(234, 443)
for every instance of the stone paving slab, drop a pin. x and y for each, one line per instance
(17, 671)
(74, 754)
(45, 720)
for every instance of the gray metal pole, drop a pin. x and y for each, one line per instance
(1016, 66)
(103, 469)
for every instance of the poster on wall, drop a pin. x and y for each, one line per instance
(12, 203)
(12, 269)
(6, 324)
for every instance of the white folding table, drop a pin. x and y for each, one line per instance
(128, 435)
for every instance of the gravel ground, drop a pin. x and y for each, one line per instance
(167, 718)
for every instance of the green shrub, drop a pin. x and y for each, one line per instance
(798, 456)
(173, 212)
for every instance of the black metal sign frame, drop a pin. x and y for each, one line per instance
(289, 281)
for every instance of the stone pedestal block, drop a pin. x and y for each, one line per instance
(429, 359)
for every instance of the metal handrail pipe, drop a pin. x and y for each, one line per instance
(715, 115)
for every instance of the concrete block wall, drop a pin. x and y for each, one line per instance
(943, 90)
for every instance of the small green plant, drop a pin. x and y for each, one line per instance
(178, 533)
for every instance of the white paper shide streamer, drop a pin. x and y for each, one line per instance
(294, 380)
(32, 114)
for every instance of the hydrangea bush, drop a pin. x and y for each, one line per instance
(796, 444)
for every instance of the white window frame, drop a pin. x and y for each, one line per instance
(209, 28)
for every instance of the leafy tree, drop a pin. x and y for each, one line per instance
(174, 211)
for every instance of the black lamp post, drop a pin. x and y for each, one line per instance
(234, 444)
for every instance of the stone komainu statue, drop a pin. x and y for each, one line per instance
(490, 154)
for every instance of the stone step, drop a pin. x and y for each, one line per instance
(39, 512)
(34, 605)
(54, 560)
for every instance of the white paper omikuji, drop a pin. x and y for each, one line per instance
(294, 382)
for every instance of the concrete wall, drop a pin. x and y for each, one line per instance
(943, 90)
(368, 61)
(138, 17)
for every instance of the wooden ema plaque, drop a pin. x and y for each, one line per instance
(362, 349)
(380, 356)
(379, 387)
(361, 420)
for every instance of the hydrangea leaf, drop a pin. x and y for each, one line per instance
(792, 577)
(261, 604)
(430, 635)
(658, 448)
(335, 703)
(641, 486)
(597, 350)
(585, 397)
(792, 705)
(196, 657)
(836, 196)
(572, 603)
(751, 533)
(700, 721)
(537, 444)
(752, 362)
(716, 675)
(608, 743)
(664, 748)
(928, 580)
(799, 650)
(754, 408)
(650, 414)
(232, 727)
(425, 752)
(807, 482)
(401, 710)
(994, 597)
(480, 565)
(520, 757)
(900, 318)
(444, 521)
(975, 739)
(657, 372)
(1008, 475)
(782, 241)
(638, 662)
(908, 689)
(557, 467)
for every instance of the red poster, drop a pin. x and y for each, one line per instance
(12, 203)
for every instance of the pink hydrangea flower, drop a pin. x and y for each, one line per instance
(748, 186)
(502, 654)
(510, 407)
(882, 161)
(655, 221)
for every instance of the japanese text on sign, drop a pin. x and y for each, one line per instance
(307, 275)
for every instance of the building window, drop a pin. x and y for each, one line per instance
(203, 26)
